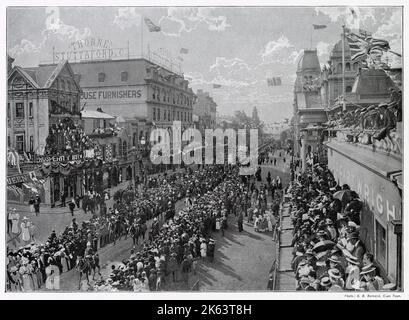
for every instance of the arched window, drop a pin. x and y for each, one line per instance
(355, 66)
(347, 67)
(348, 89)
(339, 70)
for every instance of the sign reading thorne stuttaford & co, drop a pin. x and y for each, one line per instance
(90, 49)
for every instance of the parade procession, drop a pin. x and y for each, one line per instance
(211, 149)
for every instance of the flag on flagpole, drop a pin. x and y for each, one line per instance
(274, 81)
(216, 86)
(319, 26)
(184, 51)
(151, 26)
(353, 12)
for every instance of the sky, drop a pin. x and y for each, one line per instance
(235, 47)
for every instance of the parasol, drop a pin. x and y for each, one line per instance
(343, 195)
(323, 245)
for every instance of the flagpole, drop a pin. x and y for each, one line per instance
(343, 68)
(141, 36)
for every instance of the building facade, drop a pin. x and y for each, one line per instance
(205, 109)
(308, 112)
(43, 102)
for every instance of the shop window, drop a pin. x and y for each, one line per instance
(124, 76)
(380, 244)
(31, 143)
(101, 77)
(20, 143)
(30, 109)
(19, 110)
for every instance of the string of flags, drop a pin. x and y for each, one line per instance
(319, 26)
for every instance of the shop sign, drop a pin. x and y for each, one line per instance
(21, 178)
(71, 157)
(380, 194)
(109, 95)
(90, 49)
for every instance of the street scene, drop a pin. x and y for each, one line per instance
(211, 149)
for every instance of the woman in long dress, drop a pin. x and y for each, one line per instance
(203, 249)
(25, 230)
(15, 217)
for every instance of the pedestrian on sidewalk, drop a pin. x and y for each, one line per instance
(71, 205)
(37, 202)
(240, 221)
(31, 203)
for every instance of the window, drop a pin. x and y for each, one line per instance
(8, 111)
(164, 95)
(355, 66)
(20, 143)
(154, 93)
(178, 116)
(31, 143)
(62, 85)
(101, 77)
(8, 141)
(380, 244)
(124, 76)
(158, 114)
(347, 67)
(348, 89)
(30, 109)
(169, 115)
(339, 70)
(19, 110)
(173, 115)
(69, 85)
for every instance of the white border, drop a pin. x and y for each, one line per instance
(180, 295)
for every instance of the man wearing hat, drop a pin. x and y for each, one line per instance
(352, 272)
(354, 246)
(336, 278)
(325, 284)
(370, 281)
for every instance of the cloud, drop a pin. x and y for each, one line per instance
(229, 67)
(280, 51)
(126, 18)
(344, 14)
(180, 20)
(323, 50)
(391, 29)
(24, 47)
(64, 32)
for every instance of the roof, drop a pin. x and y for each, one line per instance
(93, 114)
(337, 50)
(373, 82)
(309, 61)
(44, 75)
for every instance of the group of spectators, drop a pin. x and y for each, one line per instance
(328, 254)
(186, 236)
(177, 245)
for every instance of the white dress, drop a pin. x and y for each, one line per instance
(15, 217)
(203, 249)
(25, 231)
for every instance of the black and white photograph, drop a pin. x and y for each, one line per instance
(224, 148)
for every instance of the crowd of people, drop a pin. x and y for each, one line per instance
(176, 246)
(211, 192)
(328, 254)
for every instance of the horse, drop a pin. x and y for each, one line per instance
(84, 268)
(93, 262)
